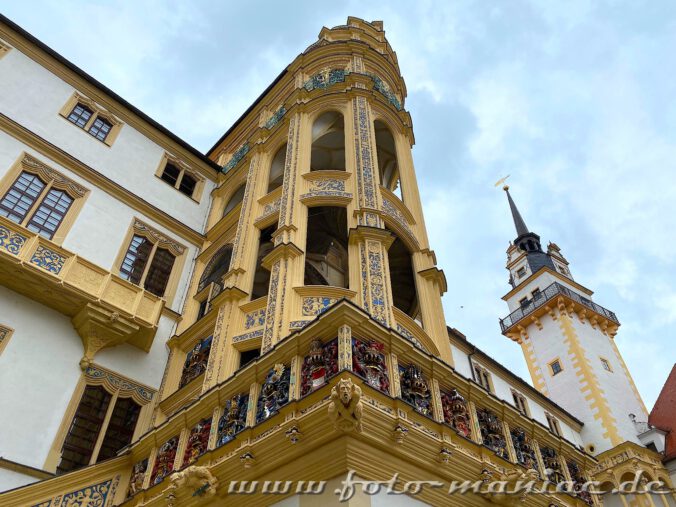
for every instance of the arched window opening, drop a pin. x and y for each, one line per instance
(402, 277)
(388, 168)
(326, 260)
(236, 198)
(217, 267)
(261, 282)
(328, 143)
(276, 177)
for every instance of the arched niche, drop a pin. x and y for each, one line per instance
(276, 174)
(388, 165)
(235, 199)
(261, 282)
(328, 142)
(217, 266)
(326, 253)
(402, 278)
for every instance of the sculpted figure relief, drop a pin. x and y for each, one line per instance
(196, 480)
(345, 408)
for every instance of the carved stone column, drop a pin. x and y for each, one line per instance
(344, 348)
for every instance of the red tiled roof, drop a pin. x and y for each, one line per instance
(663, 415)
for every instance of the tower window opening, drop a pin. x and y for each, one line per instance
(326, 258)
(328, 143)
(236, 198)
(388, 168)
(521, 272)
(402, 278)
(247, 356)
(606, 364)
(261, 283)
(276, 175)
(555, 367)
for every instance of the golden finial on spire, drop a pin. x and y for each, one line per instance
(501, 181)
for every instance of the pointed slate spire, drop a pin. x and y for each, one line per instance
(519, 223)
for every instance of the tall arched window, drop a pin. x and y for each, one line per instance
(261, 284)
(217, 266)
(388, 168)
(328, 143)
(402, 277)
(276, 177)
(326, 259)
(234, 200)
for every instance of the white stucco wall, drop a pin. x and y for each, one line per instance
(33, 96)
(503, 390)
(100, 229)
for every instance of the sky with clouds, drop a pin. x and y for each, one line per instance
(574, 99)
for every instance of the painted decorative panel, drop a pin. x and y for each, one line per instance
(409, 336)
(390, 209)
(523, 448)
(271, 207)
(492, 432)
(247, 336)
(164, 463)
(456, 413)
(415, 389)
(95, 373)
(138, 473)
(91, 496)
(298, 324)
(254, 319)
(368, 361)
(381, 86)
(198, 440)
(48, 260)
(319, 365)
(317, 304)
(233, 419)
(552, 465)
(11, 242)
(274, 392)
(578, 481)
(375, 264)
(325, 78)
(275, 118)
(196, 362)
(237, 157)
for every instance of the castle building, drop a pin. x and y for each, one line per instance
(179, 328)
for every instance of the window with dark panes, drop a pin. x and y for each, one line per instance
(135, 259)
(159, 271)
(187, 185)
(171, 174)
(50, 213)
(80, 115)
(84, 430)
(120, 428)
(21, 196)
(100, 128)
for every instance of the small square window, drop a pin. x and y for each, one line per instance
(521, 272)
(606, 364)
(536, 294)
(100, 128)
(187, 185)
(182, 179)
(556, 367)
(523, 301)
(563, 270)
(80, 115)
(171, 174)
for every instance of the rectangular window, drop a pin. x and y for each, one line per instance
(20, 198)
(84, 429)
(520, 403)
(145, 265)
(38, 192)
(246, 356)
(100, 128)
(553, 424)
(80, 115)
(178, 177)
(483, 377)
(521, 272)
(90, 117)
(536, 294)
(523, 301)
(555, 367)
(120, 428)
(50, 213)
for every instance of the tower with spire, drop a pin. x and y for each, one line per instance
(568, 341)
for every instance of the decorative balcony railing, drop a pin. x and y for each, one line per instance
(64, 281)
(551, 292)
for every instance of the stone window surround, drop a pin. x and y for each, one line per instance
(97, 111)
(185, 169)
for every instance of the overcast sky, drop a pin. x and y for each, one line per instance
(574, 99)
